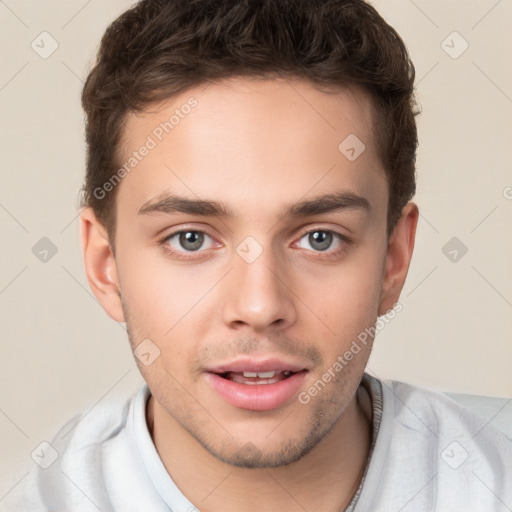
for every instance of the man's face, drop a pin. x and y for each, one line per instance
(259, 291)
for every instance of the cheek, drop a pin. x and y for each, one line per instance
(352, 288)
(158, 292)
(166, 303)
(346, 299)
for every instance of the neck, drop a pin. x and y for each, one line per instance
(326, 478)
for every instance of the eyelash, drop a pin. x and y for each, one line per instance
(343, 239)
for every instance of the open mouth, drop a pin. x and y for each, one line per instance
(257, 378)
(257, 390)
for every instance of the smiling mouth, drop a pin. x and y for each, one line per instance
(257, 378)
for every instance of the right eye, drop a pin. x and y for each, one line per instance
(185, 241)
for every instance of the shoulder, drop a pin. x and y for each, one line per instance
(432, 411)
(72, 462)
(430, 445)
(89, 432)
(441, 419)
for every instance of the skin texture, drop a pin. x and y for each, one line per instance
(257, 146)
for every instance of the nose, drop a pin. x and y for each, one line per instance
(257, 294)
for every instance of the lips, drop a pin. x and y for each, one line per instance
(257, 378)
(257, 365)
(257, 385)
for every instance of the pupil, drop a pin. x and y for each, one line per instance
(194, 239)
(323, 240)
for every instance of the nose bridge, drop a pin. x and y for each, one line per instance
(257, 295)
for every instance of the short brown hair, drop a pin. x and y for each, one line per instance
(159, 48)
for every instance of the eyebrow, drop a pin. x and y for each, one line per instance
(170, 203)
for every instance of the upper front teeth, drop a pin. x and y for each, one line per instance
(261, 375)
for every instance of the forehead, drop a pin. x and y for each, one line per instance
(243, 138)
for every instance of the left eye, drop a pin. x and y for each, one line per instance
(321, 239)
(189, 240)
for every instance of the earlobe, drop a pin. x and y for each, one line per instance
(100, 265)
(399, 254)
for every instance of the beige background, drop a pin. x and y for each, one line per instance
(60, 352)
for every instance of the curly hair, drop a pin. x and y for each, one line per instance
(159, 48)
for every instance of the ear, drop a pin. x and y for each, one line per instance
(100, 265)
(399, 253)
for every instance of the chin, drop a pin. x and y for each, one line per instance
(250, 455)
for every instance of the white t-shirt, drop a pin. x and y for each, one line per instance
(428, 454)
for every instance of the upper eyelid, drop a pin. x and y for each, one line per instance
(320, 228)
(185, 230)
